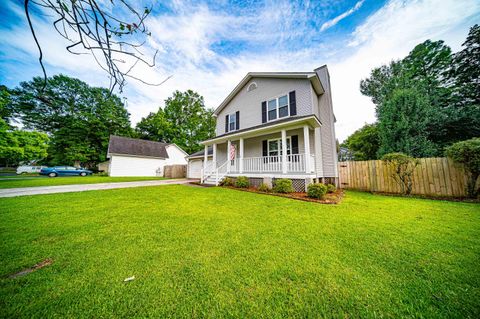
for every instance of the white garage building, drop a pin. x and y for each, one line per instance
(195, 163)
(136, 157)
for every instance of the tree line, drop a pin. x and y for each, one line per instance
(424, 102)
(68, 122)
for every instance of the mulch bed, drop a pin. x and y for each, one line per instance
(332, 198)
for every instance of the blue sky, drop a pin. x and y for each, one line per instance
(208, 46)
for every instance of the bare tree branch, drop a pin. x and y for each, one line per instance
(93, 29)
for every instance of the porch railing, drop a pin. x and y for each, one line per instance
(272, 164)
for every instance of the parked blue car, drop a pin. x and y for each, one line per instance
(64, 171)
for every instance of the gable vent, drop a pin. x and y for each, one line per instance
(252, 86)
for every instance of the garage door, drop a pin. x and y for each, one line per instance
(195, 168)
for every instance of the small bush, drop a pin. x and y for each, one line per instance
(403, 167)
(283, 185)
(264, 188)
(242, 182)
(227, 181)
(331, 188)
(317, 190)
(468, 153)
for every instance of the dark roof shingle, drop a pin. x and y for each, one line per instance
(137, 147)
(202, 152)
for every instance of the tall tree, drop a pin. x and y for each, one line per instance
(184, 121)
(364, 143)
(6, 111)
(448, 86)
(382, 81)
(78, 118)
(20, 146)
(403, 122)
(463, 112)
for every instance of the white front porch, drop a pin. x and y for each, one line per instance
(295, 163)
(282, 152)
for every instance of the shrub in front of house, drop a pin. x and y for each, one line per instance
(227, 181)
(242, 182)
(283, 185)
(331, 188)
(467, 153)
(264, 188)
(317, 190)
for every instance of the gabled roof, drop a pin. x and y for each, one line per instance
(136, 147)
(201, 153)
(312, 76)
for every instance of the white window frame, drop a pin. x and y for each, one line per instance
(277, 108)
(279, 143)
(234, 123)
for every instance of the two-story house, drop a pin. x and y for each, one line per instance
(273, 125)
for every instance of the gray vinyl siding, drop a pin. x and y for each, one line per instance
(315, 108)
(250, 103)
(322, 140)
(318, 152)
(327, 130)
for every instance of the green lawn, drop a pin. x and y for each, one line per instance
(213, 252)
(29, 181)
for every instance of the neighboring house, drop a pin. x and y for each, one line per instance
(135, 157)
(345, 154)
(273, 125)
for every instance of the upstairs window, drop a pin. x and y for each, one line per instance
(283, 106)
(278, 108)
(272, 110)
(232, 122)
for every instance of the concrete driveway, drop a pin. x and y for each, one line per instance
(25, 191)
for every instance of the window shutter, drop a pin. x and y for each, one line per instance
(264, 111)
(265, 148)
(226, 123)
(237, 115)
(293, 103)
(294, 144)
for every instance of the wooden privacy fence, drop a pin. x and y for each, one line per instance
(174, 171)
(437, 176)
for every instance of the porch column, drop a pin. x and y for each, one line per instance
(306, 139)
(214, 155)
(205, 159)
(229, 145)
(241, 155)
(284, 151)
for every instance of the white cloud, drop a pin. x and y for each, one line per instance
(337, 19)
(185, 38)
(389, 34)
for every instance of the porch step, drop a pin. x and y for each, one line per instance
(211, 180)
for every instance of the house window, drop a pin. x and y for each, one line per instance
(278, 108)
(272, 110)
(232, 122)
(275, 147)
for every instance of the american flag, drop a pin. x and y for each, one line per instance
(232, 152)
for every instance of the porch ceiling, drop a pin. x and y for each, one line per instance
(263, 129)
